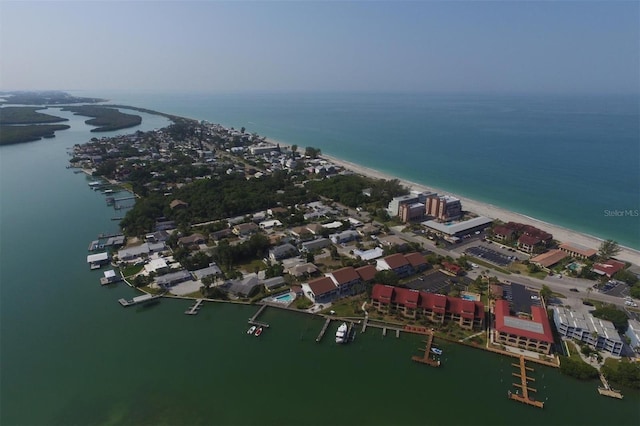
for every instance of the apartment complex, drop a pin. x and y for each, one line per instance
(597, 333)
(530, 332)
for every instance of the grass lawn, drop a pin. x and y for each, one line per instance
(253, 266)
(349, 307)
(130, 270)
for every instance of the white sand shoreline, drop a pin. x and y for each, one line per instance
(491, 211)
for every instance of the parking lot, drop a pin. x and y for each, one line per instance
(615, 288)
(490, 255)
(520, 298)
(439, 282)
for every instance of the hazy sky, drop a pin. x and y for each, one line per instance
(507, 46)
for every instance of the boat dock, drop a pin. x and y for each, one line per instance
(607, 390)
(364, 324)
(193, 310)
(145, 298)
(253, 319)
(524, 398)
(324, 330)
(424, 359)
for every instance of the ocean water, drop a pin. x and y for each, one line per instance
(71, 355)
(570, 160)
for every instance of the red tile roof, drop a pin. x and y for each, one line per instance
(382, 293)
(608, 268)
(406, 297)
(540, 321)
(503, 230)
(529, 240)
(415, 259)
(367, 272)
(322, 286)
(451, 267)
(396, 261)
(345, 275)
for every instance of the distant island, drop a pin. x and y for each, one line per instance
(20, 124)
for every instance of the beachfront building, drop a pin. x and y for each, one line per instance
(532, 332)
(413, 198)
(599, 334)
(458, 229)
(608, 268)
(444, 208)
(529, 238)
(578, 251)
(413, 212)
(436, 308)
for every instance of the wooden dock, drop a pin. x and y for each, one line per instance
(523, 385)
(425, 359)
(607, 390)
(195, 308)
(324, 330)
(254, 319)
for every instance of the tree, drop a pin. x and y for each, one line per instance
(545, 292)
(608, 249)
(294, 148)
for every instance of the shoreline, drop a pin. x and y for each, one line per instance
(560, 233)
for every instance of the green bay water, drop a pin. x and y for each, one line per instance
(71, 355)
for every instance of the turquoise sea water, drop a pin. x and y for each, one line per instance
(568, 160)
(71, 355)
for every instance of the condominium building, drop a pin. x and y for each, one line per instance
(597, 333)
(444, 207)
(526, 332)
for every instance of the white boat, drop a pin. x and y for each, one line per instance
(436, 351)
(341, 334)
(251, 329)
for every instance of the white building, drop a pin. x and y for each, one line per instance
(600, 334)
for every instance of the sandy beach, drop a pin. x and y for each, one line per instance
(484, 209)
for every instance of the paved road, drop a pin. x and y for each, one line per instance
(557, 285)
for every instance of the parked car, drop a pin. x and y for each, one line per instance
(575, 290)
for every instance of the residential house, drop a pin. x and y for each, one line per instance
(273, 283)
(210, 270)
(344, 236)
(346, 279)
(171, 279)
(321, 290)
(192, 240)
(549, 259)
(245, 229)
(178, 204)
(283, 251)
(608, 268)
(417, 261)
(248, 286)
(367, 273)
(396, 263)
(304, 270)
(311, 246)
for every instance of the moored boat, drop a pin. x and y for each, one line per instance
(258, 331)
(436, 351)
(251, 329)
(341, 334)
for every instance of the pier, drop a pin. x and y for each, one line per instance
(427, 350)
(324, 330)
(607, 390)
(254, 319)
(364, 324)
(524, 398)
(193, 310)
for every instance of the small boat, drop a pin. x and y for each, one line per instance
(251, 329)
(341, 334)
(436, 351)
(258, 331)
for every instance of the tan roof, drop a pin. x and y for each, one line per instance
(577, 248)
(549, 258)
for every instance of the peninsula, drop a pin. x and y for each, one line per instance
(223, 214)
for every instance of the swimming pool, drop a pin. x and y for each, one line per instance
(284, 298)
(467, 297)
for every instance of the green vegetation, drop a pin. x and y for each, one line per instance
(26, 115)
(106, 118)
(574, 366)
(130, 270)
(608, 249)
(622, 372)
(48, 97)
(28, 133)
(302, 303)
(347, 190)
